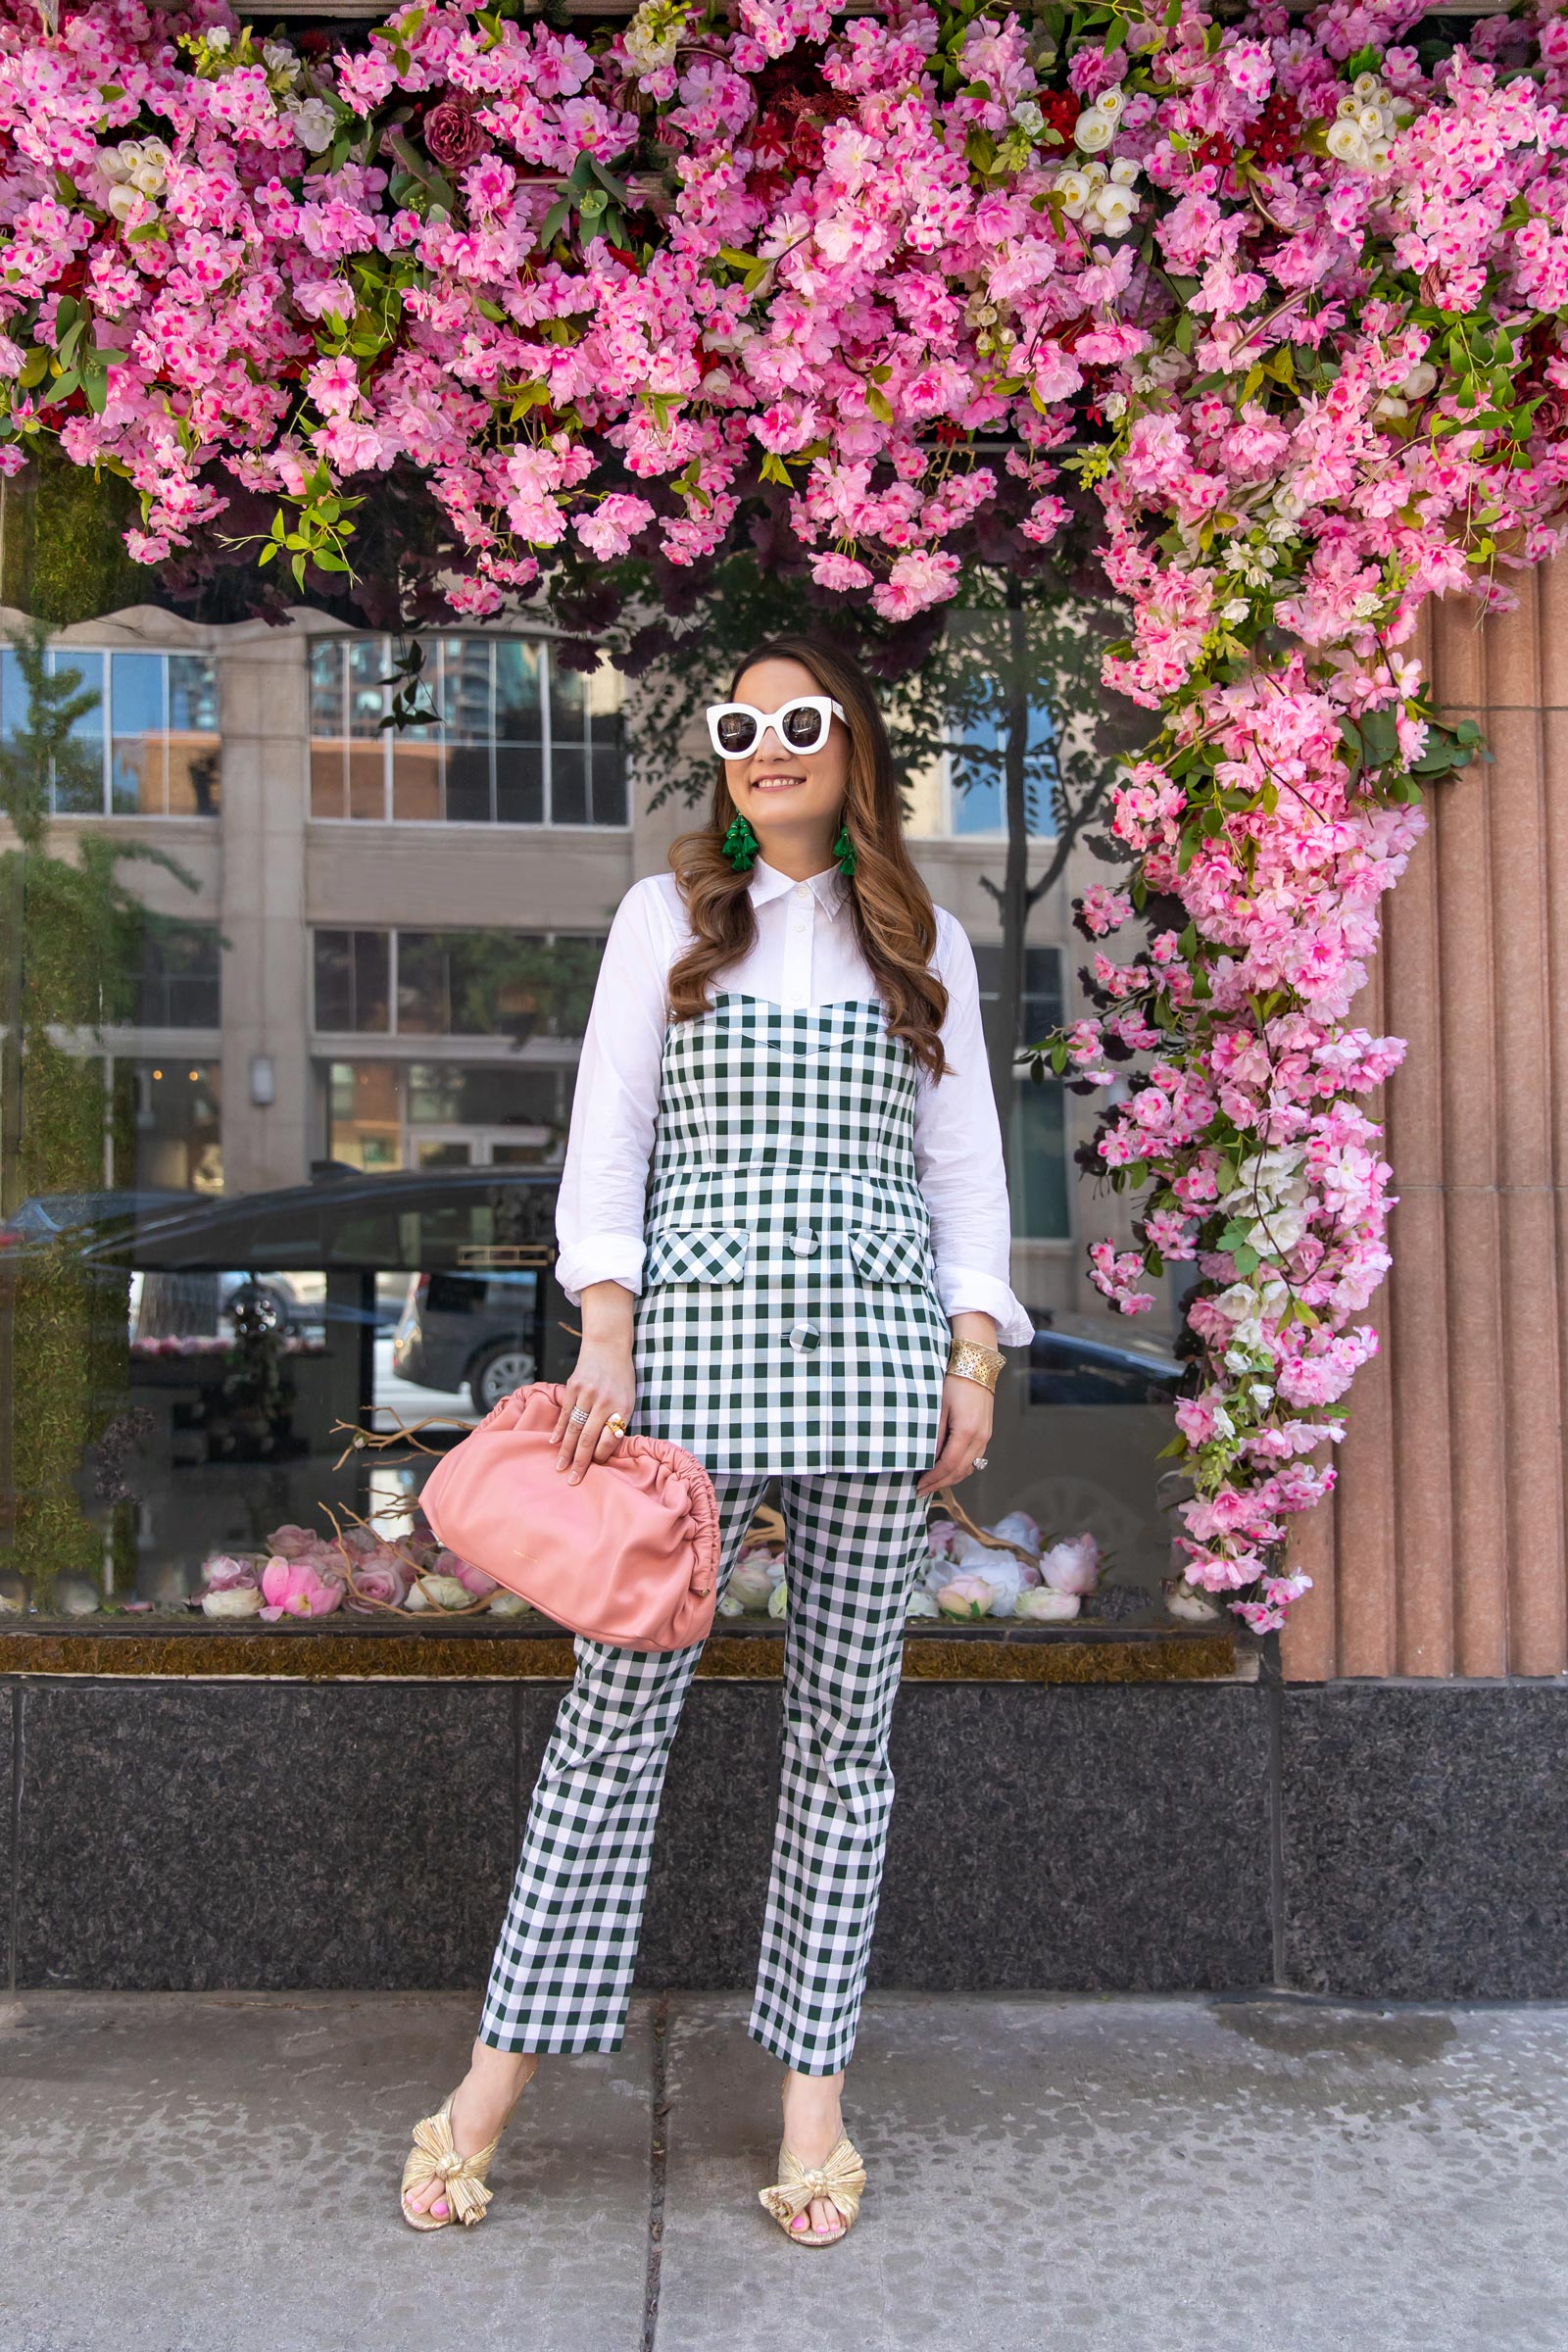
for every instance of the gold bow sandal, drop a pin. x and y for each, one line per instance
(434, 2157)
(840, 2180)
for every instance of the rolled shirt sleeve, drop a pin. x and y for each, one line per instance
(601, 1205)
(959, 1158)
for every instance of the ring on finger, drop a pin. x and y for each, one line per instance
(979, 1462)
(576, 1414)
(616, 1424)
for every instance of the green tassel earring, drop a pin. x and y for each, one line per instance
(740, 845)
(844, 850)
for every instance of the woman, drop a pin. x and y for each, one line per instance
(784, 1217)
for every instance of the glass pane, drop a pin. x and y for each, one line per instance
(568, 701)
(368, 781)
(518, 667)
(1038, 1180)
(468, 784)
(334, 956)
(327, 687)
(78, 782)
(373, 980)
(328, 780)
(367, 701)
(569, 785)
(138, 772)
(445, 1156)
(192, 694)
(609, 785)
(519, 784)
(367, 1115)
(417, 776)
(179, 984)
(423, 1000)
(465, 690)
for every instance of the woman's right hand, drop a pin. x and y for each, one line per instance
(602, 1383)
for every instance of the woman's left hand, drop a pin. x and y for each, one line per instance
(963, 1432)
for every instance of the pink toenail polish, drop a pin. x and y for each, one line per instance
(440, 2206)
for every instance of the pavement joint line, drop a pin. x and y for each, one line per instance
(658, 2166)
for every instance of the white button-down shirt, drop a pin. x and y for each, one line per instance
(804, 957)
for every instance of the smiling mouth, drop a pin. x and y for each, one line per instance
(775, 783)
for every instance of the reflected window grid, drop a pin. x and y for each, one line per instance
(521, 740)
(414, 983)
(149, 745)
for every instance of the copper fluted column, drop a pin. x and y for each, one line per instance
(1443, 1549)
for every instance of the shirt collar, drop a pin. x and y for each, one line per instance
(828, 887)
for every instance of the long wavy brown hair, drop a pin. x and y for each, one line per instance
(890, 906)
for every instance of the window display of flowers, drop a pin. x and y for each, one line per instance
(1285, 295)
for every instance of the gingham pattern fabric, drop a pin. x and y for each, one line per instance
(561, 1976)
(789, 1318)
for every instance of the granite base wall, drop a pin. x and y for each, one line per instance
(1382, 1840)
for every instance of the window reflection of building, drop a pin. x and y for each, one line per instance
(1037, 1167)
(176, 1124)
(519, 740)
(391, 1115)
(453, 983)
(150, 744)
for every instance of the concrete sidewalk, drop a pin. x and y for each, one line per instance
(217, 2173)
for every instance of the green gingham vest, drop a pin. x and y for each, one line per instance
(789, 1318)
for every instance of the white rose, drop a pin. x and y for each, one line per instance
(921, 1605)
(148, 178)
(1345, 141)
(1096, 172)
(1420, 380)
(1124, 171)
(314, 123)
(1366, 85)
(1113, 210)
(1075, 189)
(1028, 117)
(1093, 130)
(124, 203)
(279, 58)
(1112, 103)
(240, 1600)
(1237, 609)
(509, 1604)
(443, 1591)
(112, 165)
(217, 37)
(1040, 1604)
(1349, 110)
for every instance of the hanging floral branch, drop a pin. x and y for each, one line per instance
(1288, 295)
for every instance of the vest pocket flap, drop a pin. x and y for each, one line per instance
(700, 1254)
(888, 1252)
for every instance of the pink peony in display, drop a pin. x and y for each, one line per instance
(294, 1588)
(1072, 1565)
(222, 1572)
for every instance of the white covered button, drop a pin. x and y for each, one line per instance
(802, 1241)
(804, 1335)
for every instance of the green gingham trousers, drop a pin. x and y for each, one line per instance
(561, 1976)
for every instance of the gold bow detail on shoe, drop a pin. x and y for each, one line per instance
(434, 2157)
(840, 2180)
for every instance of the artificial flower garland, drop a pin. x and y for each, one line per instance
(1302, 284)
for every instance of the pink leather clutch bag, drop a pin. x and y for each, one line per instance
(629, 1554)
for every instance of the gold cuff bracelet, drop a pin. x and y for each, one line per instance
(972, 1361)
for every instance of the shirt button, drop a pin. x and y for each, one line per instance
(802, 1241)
(802, 1336)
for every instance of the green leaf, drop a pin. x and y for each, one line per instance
(1246, 1261)
(1380, 735)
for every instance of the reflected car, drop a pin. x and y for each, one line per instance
(468, 1331)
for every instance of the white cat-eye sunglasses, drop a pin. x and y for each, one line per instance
(737, 729)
